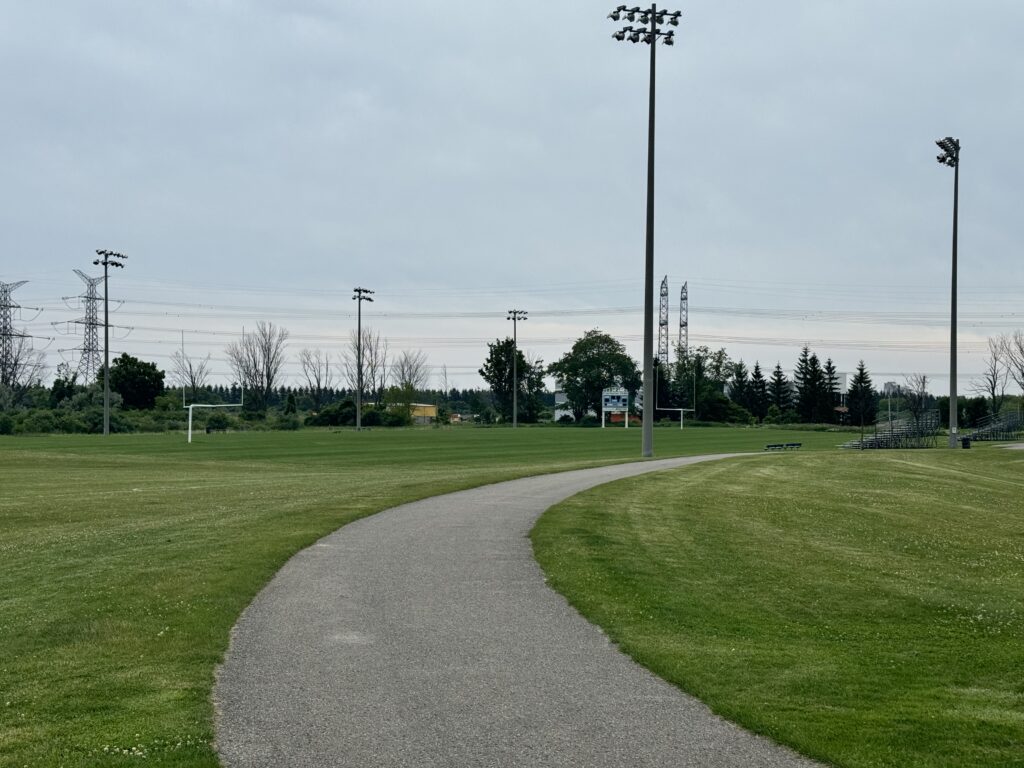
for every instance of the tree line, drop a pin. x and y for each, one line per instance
(705, 383)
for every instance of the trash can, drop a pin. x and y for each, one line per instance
(965, 442)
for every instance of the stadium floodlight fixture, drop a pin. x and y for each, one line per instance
(950, 151)
(951, 156)
(651, 17)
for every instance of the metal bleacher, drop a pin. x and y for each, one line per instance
(904, 432)
(1000, 426)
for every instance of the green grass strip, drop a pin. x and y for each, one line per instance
(126, 560)
(865, 608)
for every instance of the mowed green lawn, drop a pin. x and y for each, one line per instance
(124, 561)
(864, 608)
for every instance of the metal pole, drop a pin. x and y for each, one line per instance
(361, 295)
(106, 355)
(359, 364)
(953, 409)
(515, 372)
(648, 416)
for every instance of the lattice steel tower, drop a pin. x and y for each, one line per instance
(90, 361)
(663, 323)
(684, 321)
(7, 332)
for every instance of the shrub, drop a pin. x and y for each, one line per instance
(6, 424)
(395, 419)
(218, 420)
(371, 418)
(341, 414)
(287, 421)
(39, 422)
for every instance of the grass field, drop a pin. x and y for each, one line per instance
(865, 608)
(127, 559)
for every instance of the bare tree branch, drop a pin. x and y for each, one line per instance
(375, 364)
(1013, 354)
(316, 367)
(994, 377)
(190, 373)
(257, 361)
(410, 370)
(22, 368)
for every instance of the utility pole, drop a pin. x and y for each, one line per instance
(651, 18)
(361, 295)
(515, 315)
(107, 259)
(951, 156)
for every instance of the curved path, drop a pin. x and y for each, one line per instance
(426, 636)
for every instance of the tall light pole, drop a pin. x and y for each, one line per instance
(951, 156)
(361, 295)
(515, 315)
(107, 259)
(651, 18)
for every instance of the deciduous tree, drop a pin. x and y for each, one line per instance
(374, 350)
(257, 360)
(136, 381)
(995, 375)
(319, 375)
(595, 362)
(497, 372)
(190, 373)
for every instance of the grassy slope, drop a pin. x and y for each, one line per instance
(126, 560)
(866, 608)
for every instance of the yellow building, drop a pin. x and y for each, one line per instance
(423, 413)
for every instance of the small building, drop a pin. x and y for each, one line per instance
(423, 413)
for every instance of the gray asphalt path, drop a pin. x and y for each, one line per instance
(426, 636)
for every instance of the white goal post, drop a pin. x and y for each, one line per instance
(209, 405)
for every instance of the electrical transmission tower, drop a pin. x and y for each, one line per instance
(684, 321)
(90, 362)
(7, 332)
(663, 323)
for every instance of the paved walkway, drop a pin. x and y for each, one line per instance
(426, 636)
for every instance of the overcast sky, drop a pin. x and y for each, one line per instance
(257, 160)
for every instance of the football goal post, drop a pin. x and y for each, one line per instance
(210, 405)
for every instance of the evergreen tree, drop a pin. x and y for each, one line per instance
(830, 392)
(758, 396)
(862, 399)
(779, 391)
(803, 380)
(739, 385)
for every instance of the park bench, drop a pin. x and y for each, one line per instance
(774, 447)
(794, 446)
